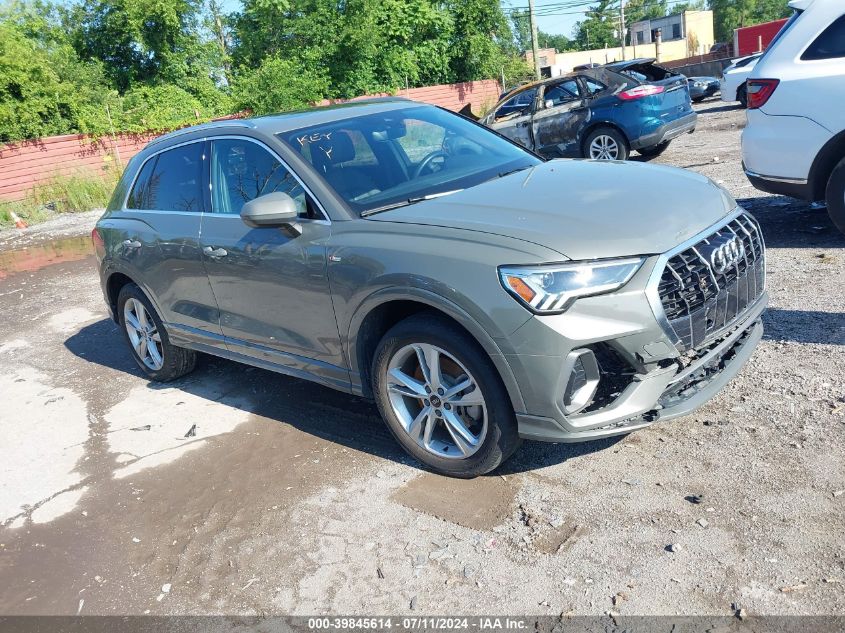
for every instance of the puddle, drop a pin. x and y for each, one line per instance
(479, 504)
(34, 258)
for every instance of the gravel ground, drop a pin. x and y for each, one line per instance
(292, 499)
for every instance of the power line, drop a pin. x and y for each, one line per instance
(563, 9)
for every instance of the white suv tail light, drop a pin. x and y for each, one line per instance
(760, 91)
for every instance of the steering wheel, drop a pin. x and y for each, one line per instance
(426, 162)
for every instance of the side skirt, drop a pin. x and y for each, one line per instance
(291, 365)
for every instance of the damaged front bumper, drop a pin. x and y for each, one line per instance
(665, 393)
(616, 363)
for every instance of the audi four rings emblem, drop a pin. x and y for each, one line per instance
(726, 255)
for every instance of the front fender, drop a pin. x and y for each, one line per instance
(437, 302)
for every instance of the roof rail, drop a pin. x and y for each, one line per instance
(211, 125)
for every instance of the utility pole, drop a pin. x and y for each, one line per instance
(622, 27)
(534, 50)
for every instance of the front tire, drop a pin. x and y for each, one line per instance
(655, 150)
(152, 350)
(835, 196)
(442, 398)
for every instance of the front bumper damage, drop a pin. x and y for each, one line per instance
(647, 374)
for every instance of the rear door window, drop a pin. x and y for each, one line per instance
(829, 45)
(561, 93)
(171, 181)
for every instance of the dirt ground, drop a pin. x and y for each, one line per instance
(293, 499)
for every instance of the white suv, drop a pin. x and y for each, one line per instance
(734, 76)
(794, 143)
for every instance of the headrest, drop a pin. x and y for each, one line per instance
(337, 148)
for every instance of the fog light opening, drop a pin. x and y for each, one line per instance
(582, 375)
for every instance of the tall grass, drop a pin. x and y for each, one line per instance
(62, 193)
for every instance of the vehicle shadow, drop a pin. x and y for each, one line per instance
(331, 415)
(790, 223)
(712, 107)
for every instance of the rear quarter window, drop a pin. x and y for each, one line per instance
(829, 45)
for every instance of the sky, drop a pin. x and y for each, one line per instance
(556, 17)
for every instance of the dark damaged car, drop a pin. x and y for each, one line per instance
(601, 113)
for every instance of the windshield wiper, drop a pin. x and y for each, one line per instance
(405, 203)
(511, 171)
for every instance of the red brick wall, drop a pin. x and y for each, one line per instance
(478, 94)
(25, 164)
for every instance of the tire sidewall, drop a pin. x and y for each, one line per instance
(607, 131)
(502, 437)
(132, 291)
(835, 196)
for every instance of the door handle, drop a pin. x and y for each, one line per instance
(131, 244)
(214, 252)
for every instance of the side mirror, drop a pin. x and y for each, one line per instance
(275, 209)
(550, 103)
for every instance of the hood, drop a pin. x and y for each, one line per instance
(708, 80)
(582, 209)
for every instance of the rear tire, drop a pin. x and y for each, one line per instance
(151, 348)
(742, 95)
(421, 410)
(835, 196)
(655, 150)
(606, 143)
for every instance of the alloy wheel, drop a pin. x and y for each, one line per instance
(143, 334)
(604, 147)
(438, 402)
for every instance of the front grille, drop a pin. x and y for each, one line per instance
(703, 291)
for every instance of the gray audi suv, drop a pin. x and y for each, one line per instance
(400, 252)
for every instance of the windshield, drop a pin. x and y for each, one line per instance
(401, 156)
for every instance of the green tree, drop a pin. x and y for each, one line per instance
(733, 14)
(278, 85)
(559, 42)
(159, 108)
(522, 35)
(480, 39)
(140, 41)
(636, 10)
(46, 90)
(362, 45)
(690, 5)
(600, 27)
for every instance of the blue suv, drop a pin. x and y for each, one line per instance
(601, 113)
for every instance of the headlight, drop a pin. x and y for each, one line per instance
(550, 289)
(700, 84)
